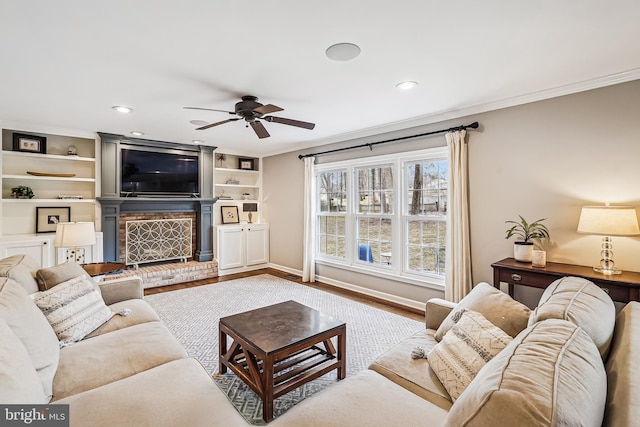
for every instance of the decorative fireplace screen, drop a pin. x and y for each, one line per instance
(157, 240)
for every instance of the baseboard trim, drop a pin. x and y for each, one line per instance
(393, 299)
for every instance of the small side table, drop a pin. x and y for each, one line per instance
(623, 287)
(99, 269)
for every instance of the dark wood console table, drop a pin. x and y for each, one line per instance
(623, 287)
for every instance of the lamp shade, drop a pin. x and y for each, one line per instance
(609, 221)
(249, 207)
(74, 234)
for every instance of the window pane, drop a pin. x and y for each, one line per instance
(374, 240)
(427, 188)
(332, 191)
(375, 189)
(331, 236)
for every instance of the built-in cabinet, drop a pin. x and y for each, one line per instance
(238, 180)
(42, 249)
(241, 247)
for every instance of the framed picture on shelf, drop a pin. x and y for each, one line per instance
(246, 164)
(47, 219)
(29, 143)
(229, 215)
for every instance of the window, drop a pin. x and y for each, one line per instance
(374, 213)
(332, 207)
(387, 214)
(426, 216)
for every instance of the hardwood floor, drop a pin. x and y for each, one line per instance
(355, 296)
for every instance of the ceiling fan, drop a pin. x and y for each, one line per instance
(252, 112)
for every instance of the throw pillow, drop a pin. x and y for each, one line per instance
(583, 303)
(29, 324)
(19, 381)
(496, 306)
(51, 276)
(464, 350)
(73, 308)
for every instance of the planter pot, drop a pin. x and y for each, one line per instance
(523, 251)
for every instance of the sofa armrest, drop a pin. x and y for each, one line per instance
(436, 311)
(122, 289)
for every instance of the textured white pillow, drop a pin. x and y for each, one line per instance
(73, 308)
(464, 350)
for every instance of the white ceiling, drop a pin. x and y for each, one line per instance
(65, 63)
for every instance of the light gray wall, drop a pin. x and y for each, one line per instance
(544, 159)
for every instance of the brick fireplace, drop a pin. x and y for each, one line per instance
(116, 211)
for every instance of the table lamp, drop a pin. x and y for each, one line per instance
(73, 235)
(249, 207)
(607, 221)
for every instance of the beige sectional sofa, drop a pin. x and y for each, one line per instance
(131, 371)
(569, 362)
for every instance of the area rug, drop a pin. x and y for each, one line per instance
(192, 315)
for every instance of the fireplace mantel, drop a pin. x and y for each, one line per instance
(112, 207)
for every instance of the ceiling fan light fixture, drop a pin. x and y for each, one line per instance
(343, 51)
(122, 109)
(408, 85)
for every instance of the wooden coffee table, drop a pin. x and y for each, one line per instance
(280, 347)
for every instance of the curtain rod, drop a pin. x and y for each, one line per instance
(473, 125)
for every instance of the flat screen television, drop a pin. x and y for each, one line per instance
(159, 172)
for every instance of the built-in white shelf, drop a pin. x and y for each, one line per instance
(34, 200)
(8, 153)
(49, 178)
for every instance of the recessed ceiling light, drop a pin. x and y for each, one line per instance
(137, 133)
(122, 109)
(343, 51)
(198, 141)
(198, 122)
(406, 85)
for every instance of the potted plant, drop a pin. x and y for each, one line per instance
(22, 192)
(526, 232)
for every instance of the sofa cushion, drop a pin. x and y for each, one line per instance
(51, 276)
(29, 324)
(73, 308)
(363, 400)
(413, 374)
(21, 268)
(581, 302)
(19, 381)
(177, 393)
(464, 350)
(140, 312)
(550, 375)
(113, 356)
(496, 306)
(623, 373)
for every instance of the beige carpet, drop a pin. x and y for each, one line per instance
(192, 315)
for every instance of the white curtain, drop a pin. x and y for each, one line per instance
(308, 251)
(458, 280)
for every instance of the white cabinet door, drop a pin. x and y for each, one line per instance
(39, 249)
(230, 247)
(257, 243)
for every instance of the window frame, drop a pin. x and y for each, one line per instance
(397, 270)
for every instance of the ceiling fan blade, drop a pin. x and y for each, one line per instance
(216, 124)
(259, 129)
(267, 109)
(208, 109)
(290, 122)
